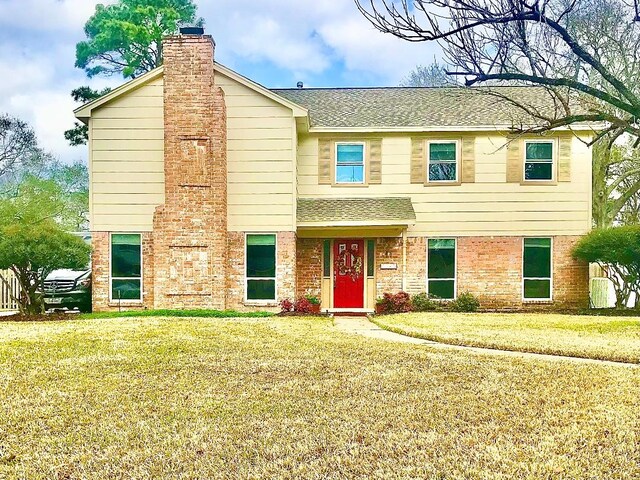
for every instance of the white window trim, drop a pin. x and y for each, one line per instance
(364, 163)
(550, 278)
(554, 150)
(111, 278)
(455, 269)
(436, 142)
(246, 279)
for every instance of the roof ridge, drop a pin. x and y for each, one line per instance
(391, 87)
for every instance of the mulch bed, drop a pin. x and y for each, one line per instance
(51, 317)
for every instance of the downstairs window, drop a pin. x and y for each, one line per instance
(536, 269)
(126, 266)
(441, 268)
(261, 267)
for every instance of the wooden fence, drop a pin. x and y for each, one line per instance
(7, 289)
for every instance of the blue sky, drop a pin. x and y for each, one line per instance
(274, 42)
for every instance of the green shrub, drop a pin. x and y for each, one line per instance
(422, 303)
(466, 302)
(312, 299)
(617, 250)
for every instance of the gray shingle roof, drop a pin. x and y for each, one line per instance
(415, 106)
(378, 209)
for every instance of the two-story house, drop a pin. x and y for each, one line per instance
(208, 190)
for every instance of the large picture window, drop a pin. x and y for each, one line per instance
(441, 268)
(126, 266)
(443, 162)
(536, 269)
(261, 267)
(538, 162)
(350, 163)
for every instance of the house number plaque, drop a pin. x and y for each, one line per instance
(388, 266)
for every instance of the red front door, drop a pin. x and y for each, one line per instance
(348, 273)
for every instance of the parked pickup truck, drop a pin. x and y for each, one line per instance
(70, 289)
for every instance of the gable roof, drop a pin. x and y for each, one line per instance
(379, 109)
(417, 108)
(83, 113)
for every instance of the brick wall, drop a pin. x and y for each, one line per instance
(285, 271)
(190, 229)
(416, 264)
(309, 266)
(388, 250)
(489, 267)
(100, 262)
(570, 277)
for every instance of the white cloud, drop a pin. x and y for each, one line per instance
(49, 112)
(268, 40)
(307, 36)
(46, 15)
(302, 38)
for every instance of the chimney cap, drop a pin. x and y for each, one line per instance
(191, 31)
(300, 85)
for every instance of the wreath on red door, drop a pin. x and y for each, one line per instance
(349, 262)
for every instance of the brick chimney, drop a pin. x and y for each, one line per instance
(190, 229)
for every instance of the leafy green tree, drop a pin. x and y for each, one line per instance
(34, 240)
(617, 251)
(79, 134)
(126, 37)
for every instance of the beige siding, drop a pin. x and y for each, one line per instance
(488, 206)
(261, 155)
(127, 160)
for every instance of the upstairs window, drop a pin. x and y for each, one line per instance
(538, 161)
(126, 266)
(442, 162)
(536, 269)
(350, 163)
(441, 268)
(261, 268)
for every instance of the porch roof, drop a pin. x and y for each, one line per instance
(362, 211)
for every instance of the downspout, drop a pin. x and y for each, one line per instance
(404, 260)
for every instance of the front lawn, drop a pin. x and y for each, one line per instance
(295, 398)
(606, 338)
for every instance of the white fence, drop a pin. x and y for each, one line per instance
(8, 290)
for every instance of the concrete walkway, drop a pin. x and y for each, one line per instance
(362, 326)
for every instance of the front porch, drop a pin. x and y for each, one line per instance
(349, 250)
(348, 274)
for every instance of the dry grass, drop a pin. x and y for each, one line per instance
(604, 338)
(294, 398)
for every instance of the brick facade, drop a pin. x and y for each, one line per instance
(285, 271)
(191, 260)
(309, 266)
(489, 267)
(100, 263)
(388, 250)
